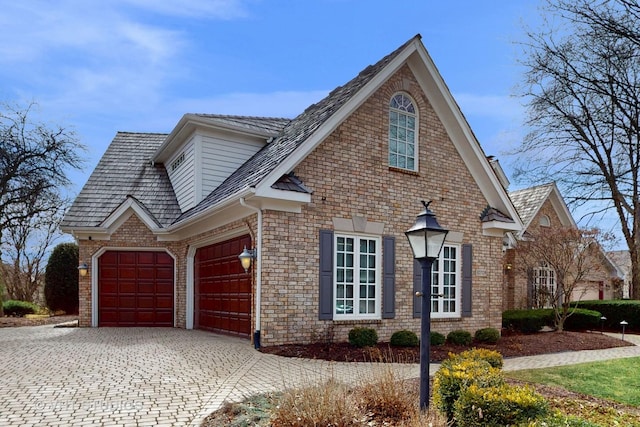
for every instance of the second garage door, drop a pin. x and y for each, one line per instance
(222, 288)
(135, 288)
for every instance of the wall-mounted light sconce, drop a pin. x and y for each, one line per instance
(83, 269)
(508, 266)
(246, 257)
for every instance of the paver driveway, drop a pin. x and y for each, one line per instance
(141, 376)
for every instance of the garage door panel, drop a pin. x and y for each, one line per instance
(135, 289)
(127, 258)
(223, 289)
(164, 273)
(126, 301)
(164, 302)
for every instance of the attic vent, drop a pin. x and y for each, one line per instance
(177, 162)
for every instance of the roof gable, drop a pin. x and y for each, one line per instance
(529, 201)
(304, 133)
(125, 170)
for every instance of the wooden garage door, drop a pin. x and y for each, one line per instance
(135, 289)
(222, 288)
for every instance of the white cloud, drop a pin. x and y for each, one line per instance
(216, 9)
(276, 104)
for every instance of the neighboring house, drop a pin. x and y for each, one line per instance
(324, 199)
(622, 260)
(543, 206)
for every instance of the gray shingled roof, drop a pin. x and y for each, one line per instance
(292, 136)
(268, 126)
(529, 200)
(125, 170)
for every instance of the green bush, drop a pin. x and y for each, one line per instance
(616, 311)
(436, 338)
(487, 335)
(459, 337)
(495, 406)
(19, 308)
(492, 357)
(458, 373)
(363, 337)
(528, 321)
(582, 319)
(404, 338)
(61, 278)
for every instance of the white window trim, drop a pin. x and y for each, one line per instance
(458, 284)
(417, 132)
(378, 303)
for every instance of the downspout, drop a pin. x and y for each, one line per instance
(258, 298)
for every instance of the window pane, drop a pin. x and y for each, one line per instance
(349, 291)
(340, 260)
(411, 164)
(411, 122)
(363, 276)
(348, 262)
(363, 291)
(349, 278)
(340, 291)
(393, 160)
(402, 162)
(340, 275)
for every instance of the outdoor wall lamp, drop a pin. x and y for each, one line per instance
(426, 238)
(246, 257)
(83, 269)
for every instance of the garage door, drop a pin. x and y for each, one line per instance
(222, 288)
(135, 289)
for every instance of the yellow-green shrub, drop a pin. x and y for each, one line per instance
(458, 373)
(491, 356)
(501, 405)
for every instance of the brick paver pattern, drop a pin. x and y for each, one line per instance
(166, 376)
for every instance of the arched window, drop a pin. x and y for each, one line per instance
(545, 221)
(402, 133)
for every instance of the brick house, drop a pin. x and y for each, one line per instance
(544, 206)
(324, 199)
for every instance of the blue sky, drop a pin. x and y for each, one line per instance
(139, 65)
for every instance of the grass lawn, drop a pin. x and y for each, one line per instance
(617, 380)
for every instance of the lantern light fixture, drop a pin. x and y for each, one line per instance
(246, 257)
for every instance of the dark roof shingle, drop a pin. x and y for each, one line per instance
(125, 170)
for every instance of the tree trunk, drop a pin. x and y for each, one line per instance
(634, 253)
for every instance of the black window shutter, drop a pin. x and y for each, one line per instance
(417, 287)
(467, 275)
(325, 306)
(389, 277)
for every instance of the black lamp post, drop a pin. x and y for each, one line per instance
(426, 238)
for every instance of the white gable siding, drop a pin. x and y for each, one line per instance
(221, 157)
(183, 178)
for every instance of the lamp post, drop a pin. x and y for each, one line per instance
(426, 238)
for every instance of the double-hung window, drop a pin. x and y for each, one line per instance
(357, 277)
(402, 133)
(445, 283)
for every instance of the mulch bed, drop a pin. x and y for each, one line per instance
(510, 345)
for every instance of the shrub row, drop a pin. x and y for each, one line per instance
(616, 311)
(19, 308)
(470, 390)
(530, 321)
(368, 337)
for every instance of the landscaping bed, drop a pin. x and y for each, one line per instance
(510, 345)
